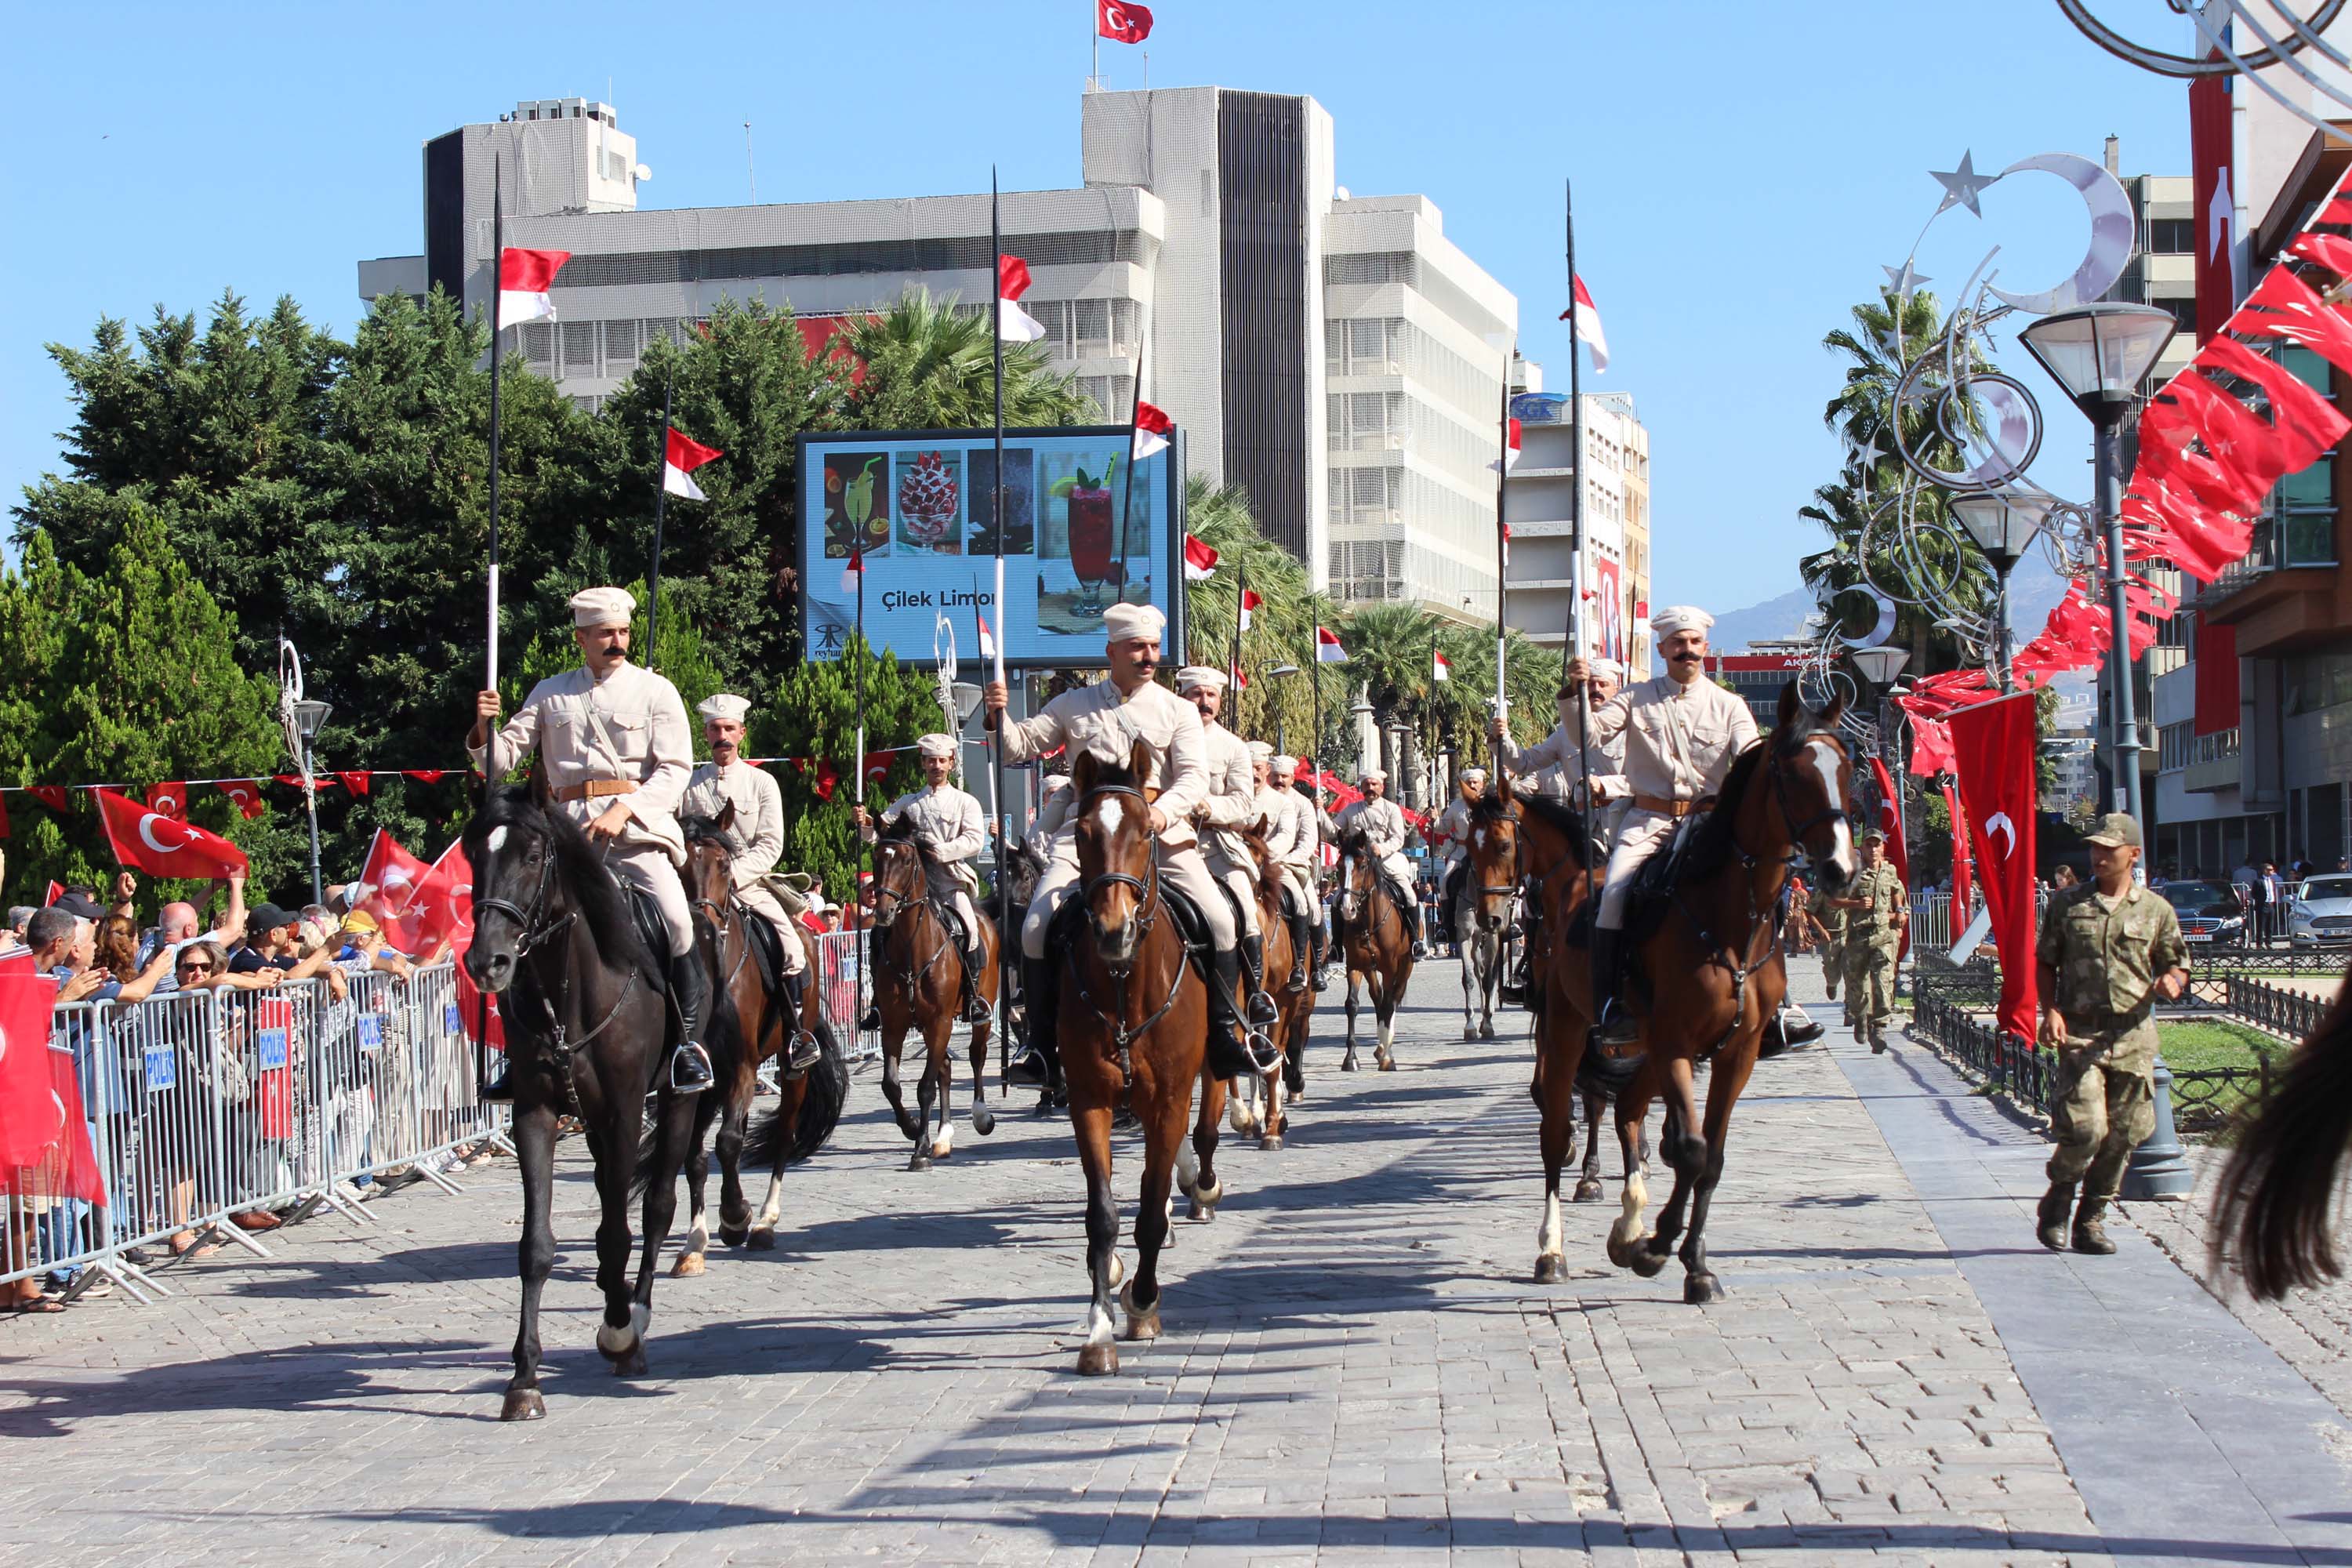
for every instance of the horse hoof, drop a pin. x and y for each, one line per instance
(688, 1265)
(761, 1240)
(1388, 1063)
(1143, 1326)
(1271, 1143)
(943, 1149)
(1485, 1031)
(1551, 1268)
(733, 1234)
(920, 1160)
(1097, 1360)
(1587, 1190)
(632, 1365)
(1698, 1290)
(1201, 1210)
(1620, 1254)
(1469, 1031)
(523, 1404)
(1348, 1062)
(983, 1123)
(1648, 1264)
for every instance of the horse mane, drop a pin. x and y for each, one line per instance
(594, 891)
(1714, 847)
(1556, 814)
(1269, 875)
(706, 830)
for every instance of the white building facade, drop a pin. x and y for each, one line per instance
(1540, 498)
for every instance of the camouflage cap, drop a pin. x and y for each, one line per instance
(2117, 829)
(1874, 836)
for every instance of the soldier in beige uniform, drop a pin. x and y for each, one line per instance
(1106, 719)
(1561, 770)
(1230, 805)
(1450, 836)
(617, 751)
(728, 780)
(952, 830)
(1290, 840)
(1681, 732)
(1383, 821)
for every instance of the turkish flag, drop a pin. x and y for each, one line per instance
(398, 878)
(445, 900)
(168, 800)
(355, 780)
(525, 279)
(1996, 745)
(828, 778)
(1013, 324)
(51, 796)
(246, 793)
(681, 455)
(1890, 822)
(1200, 558)
(1962, 889)
(2213, 201)
(43, 1136)
(1152, 429)
(1122, 21)
(425, 775)
(160, 847)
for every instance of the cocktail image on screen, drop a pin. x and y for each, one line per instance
(1083, 569)
(1019, 502)
(856, 504)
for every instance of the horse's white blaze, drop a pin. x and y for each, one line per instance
(498, 840)
(1825, 760)
(1106, 814)
(1547, 1236)
(773, 1209)
(1628, 1228)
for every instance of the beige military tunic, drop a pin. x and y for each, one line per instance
(1680, 741)
(760, 824)
(1290, 839)
(1099, 718)
(1383, 822)
(1552, 763)
(629, 728)
(949, 824)
(1230, 805)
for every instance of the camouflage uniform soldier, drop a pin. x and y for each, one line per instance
(1874, 905)
(2110, 949)
(1826, 923)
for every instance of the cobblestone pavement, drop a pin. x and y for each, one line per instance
(1354, 1368)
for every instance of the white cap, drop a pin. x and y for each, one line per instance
(1285, 766)
(1200, 677)
(726, 705)
(1372, 776)
(1470, 773)
(1260, 752)
(1056, 781)
(1680, 618)
(601, 607)
(1608, 667)
(1124, 623)
(936, 745)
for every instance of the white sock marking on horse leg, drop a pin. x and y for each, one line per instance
(1547, 1234)
(697, 1234)
(1100, 1329)
(773, 1209)
(1628, 1228)
(944, 1144)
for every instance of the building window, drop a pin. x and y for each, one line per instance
(2171, 236)
(1382, 267)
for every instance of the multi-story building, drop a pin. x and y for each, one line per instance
(1614, 473)
(1330, 354)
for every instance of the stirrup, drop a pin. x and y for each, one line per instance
(498, 1088)
(1261, 1050)
(1028, 1069)
(1616, 1027)
(689, 1068)
(871, 1019)
(1262, 1009)
(976, 1009)
(804, 1054)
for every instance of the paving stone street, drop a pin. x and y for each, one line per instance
(1355, 1367)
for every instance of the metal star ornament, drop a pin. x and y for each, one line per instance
(1962, 184)
(1903, 282)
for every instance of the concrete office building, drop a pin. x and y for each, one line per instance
(1209, 222)
(1615, 471)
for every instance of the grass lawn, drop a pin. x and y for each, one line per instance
(2205, 1045)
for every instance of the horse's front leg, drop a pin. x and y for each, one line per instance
(1555, 1097)
(1685, 1155)
(983, 1121)
(1099, 1354)
(894, 1041)
(675, 1135)
(1625, 1234)
(621, 1336)
(1163, 1134)
(1203, 1188)
(1588, 1185)
(771, 1212)
(690, 1251)
(1384, 1001)
(534, 1142)
(734, 1119)
(1724, 1085)
(1348, 1062)
(929, 1144)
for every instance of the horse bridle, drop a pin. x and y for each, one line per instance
(1797, 830)
(562, 1051)
(529, 931)
(1147, 888)
(886, 924)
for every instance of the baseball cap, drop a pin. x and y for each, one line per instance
(2117, 829)
(80, 907)
(269, 917)
(1874, 836)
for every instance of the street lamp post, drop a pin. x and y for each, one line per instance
(311, 717)
(2002, 524)
(2099, 354)
(1879, 667)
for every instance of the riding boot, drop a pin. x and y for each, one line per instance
(1798, 1027)
(804, 1051)
(1322, 954)
(689, 984)
(1236, 1047)
(1262, 1010)
(1612, 1024)
(498, 1089)
(2090, 1227)
(1301, 943)
(2050, 1219)
(976, 1009)
(1037, 1064)
(1515, 983)
(1420, 947)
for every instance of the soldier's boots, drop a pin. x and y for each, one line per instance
(1420, 947)
(1302, 940)
(2091, 1227)
(1877, 1040)
(976, 1009)
(804, 1052)
(1322, 976)
(1612, 1026)
(1262, 1010)
(498, 1089)
(1037, 1064)
(2050, 1219)
(1236, 1044)
(689, 984)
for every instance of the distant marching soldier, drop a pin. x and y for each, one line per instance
(728, 780)
(1825, 924)
(617, 751)
(1230, 805)
(2110, 950)
(1876, 911)
(952, 830)
(1290, 840)
(1383, 823)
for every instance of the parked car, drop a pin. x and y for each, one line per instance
(2210, 912)
(2323, 912)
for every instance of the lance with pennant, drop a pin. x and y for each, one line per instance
(996, 748)
(661, 509)
(497, 265)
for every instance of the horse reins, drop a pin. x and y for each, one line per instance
(562, 1052)
(904, 904)
(1147, 888)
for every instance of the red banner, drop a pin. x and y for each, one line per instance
(43, 1137)
(2211, 195)
(1996, 743)
(1961, 888)
(2217, 676)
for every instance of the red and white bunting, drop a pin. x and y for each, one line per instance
(681, 455)
(1151, 429)
(1327, 647)
(1587, 325)
(168, 800)
(525, 278)
(1200, 560)
(1013, 324)
(1440, 669)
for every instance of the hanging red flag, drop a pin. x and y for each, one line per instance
(168, 800)
(1995, 742)
(160, 847)
(2217, 676)
(1200, 560)
(355, 780)
(55, 891)
(878, 765)
(1963, 891)
(1151, 430)
(828, 778)
(2214, 208)
(1890, 822)
(51, 796)
(1250, 600)
(425, 775)
(525, 278)
(681, 455)
(1328, 649)
(1122, 21)
(1588, 323)
(246, 793)
(443, 903)
(1014, 325)
(1510, 445)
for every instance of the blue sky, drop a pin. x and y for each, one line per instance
(1741, 172)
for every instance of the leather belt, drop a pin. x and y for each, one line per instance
(1666, 807)
(597, 789)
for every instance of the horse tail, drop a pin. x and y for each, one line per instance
(2281, 1180)
(771, 1144)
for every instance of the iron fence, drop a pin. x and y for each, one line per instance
(846, 988)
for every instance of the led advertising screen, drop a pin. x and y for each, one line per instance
(920, 507)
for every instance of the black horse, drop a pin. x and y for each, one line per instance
(588, 1025)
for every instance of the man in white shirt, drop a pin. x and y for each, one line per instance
(1230, 805)
(951, 830)
(1383, 823)
(617, 752)
(1450, 835)
(1290, 840)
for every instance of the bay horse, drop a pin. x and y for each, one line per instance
(1133, 1023)
(1257, 1101)
(1706, 976)
(1481, 914)
(588, 1028)
(1376, 939)
(2281, 1183)
(918, 985)
(809, 1106)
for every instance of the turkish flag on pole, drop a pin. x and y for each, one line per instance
(1962, 889)
(1151, 427)
(397, 877)
(168, 800)
(524, 278)
(1200, 560)
(160, 847)
(1250, 600)
(1890, 822)
(1013, 324)
(1587, 325)
(1441, 669)
(2213, 216)
(1510, 445)
(1122, 22)
(1995, 743)
(680, 456)
(443, 905)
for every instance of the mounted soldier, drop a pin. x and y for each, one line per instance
(1290, 838)
(1382, 823)
(758, 825)
(1108, 718)
(1230, 805)
(951, 830)
(1450, 835)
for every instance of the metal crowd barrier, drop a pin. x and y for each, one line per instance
(846, 988)
(208, 1104)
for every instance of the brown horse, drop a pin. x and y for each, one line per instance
(1257, 1102)
(1710, 967)
(1133, 1021)
(809, 1105)
(1377, 941)
(918, 984)
(2281, 1181)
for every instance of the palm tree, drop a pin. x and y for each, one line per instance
(1282, 628)
(929, 365)
(1392, 649)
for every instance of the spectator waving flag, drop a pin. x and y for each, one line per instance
(1013, 324)
(160, 847)
(1122, 21)
(680, 456)
(1151, 429)
(525, 278)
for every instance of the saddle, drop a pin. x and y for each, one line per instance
(1652, 894)
(767, 947)
(653, 929)
(1191, 925)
